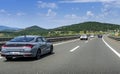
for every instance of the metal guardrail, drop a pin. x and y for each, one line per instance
(62, 38)
(115, 38)
(51, 39)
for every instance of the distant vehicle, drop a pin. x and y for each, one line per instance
(92, 36)
(99, 36)
(26, 46)
(84, 37)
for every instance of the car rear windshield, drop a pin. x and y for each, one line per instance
(22, 39)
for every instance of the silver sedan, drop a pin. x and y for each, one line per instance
(26, 46)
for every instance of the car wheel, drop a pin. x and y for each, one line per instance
(38, 55)
(9, 58)
(51, 49)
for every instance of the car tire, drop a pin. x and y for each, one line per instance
(38, 55)
(8, 58)
(51, 50)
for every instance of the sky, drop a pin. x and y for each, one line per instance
(55, 13)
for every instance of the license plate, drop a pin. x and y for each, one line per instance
(15, 53)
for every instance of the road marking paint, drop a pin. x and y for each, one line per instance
(74, 48)
(64, 42)
(118, 54)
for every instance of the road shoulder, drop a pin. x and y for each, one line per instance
(112, 43)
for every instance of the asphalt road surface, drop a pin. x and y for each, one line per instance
(71, 57)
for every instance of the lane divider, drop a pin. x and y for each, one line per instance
(74, 48)
(118, 54)
(65, 42)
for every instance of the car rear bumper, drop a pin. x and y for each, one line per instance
(83, 38)
(100, 37)
(16, 54)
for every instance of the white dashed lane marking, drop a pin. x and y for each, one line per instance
(74, 48)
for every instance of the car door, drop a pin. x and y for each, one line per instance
(46, 44)
(42, 45)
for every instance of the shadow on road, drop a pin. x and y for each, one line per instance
(28, 59)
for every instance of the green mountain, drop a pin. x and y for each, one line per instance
(33, 30)
(64, 30)
(88, 26)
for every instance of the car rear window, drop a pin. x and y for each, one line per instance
(22, 39)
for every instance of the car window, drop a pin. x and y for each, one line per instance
(44, 40)
(39, 40)
(22, 39)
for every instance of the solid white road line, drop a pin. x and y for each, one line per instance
(64, 42)
(118, 54)
(74, 48)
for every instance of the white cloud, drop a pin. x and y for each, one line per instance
(110, 8)
(75, 8)
(106, 3)
(2, 11)
(71, 16)
(82, 1)
(42, 4)
(20, 14)
(112, 4)
(89, 13)
(51, 13)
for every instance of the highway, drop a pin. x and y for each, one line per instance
(70, 57)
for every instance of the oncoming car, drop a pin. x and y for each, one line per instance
(26, 46)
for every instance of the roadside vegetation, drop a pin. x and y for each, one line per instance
(74, 29)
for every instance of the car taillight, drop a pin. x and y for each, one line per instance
(4, 46)
(29, 45)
